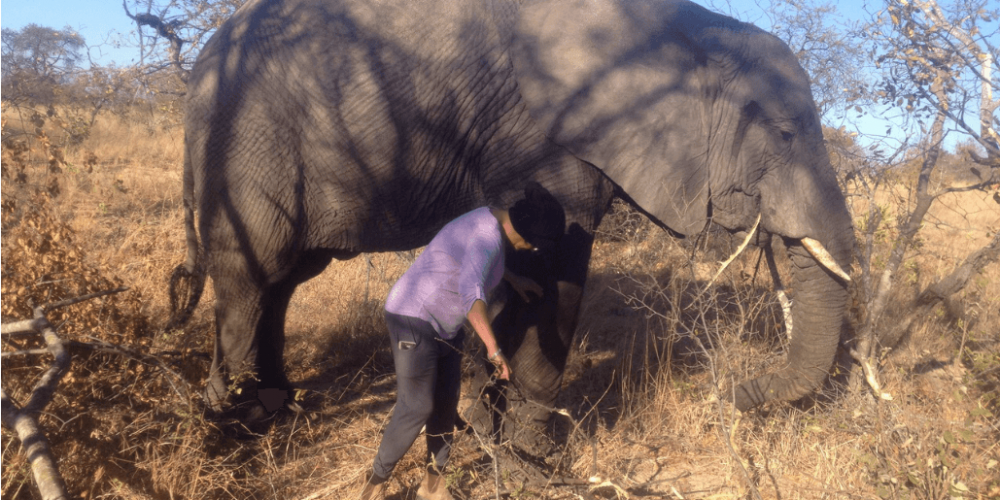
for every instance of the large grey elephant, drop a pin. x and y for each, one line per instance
(320, 129)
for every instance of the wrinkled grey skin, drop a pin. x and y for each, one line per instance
(322, 129)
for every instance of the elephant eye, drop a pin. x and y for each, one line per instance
(787, 136)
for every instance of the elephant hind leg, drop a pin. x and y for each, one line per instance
(238, 311)
(250, 339)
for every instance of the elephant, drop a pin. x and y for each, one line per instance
(321, 129)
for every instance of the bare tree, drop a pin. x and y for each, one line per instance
(37, 60)
(937, 76)
(171, 33)
(824, 47)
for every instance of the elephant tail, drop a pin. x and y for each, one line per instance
(187, 281)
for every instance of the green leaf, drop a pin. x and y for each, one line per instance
(981, 412)
(965, 435)
(883, 492)
(949, 437)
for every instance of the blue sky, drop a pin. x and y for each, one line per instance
(102, 23)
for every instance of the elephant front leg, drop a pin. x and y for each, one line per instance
(537, 335)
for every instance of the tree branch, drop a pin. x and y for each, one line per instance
(22, 327)
(944, 288)
(25, 352)
(36, 448)
(83, 298)
(167, 30)
(23, 421)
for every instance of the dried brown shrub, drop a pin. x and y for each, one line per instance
(43, 263)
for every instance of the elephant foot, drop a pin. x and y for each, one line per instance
(270, 403)
(217, 395)
(251, 411)
(526, 426)
(476, 418)
(251, 419)
(497, 419)
(478, 410)
(273, 399)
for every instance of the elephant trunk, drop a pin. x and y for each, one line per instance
(818, 315)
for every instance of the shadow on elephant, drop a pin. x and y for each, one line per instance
(317, 130)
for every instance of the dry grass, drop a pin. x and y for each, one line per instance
(639, 388)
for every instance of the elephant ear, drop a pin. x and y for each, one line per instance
(621, 87)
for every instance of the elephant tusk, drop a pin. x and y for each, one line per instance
(819, 253)
(725, 264)
(786, 310)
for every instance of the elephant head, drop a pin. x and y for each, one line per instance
(699, 117)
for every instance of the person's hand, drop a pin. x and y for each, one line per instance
(500, 362)
(523, 286)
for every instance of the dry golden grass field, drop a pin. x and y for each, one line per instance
(642, 418)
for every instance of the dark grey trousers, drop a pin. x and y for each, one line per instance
(428, 376)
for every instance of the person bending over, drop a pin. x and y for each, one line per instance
(448, 284)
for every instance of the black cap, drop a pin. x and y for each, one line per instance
(538, 218)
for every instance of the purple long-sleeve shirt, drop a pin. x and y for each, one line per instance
(462, 264)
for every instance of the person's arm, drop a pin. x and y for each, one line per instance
(480, 323)
(522, 285)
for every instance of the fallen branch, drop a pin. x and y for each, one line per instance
(24, 420)
(25, 352)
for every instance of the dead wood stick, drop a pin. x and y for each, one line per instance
(83, 298)
(22, 327)
(25, 352)
(24, 420)
(36, 448)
